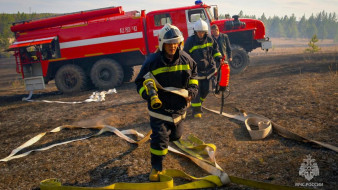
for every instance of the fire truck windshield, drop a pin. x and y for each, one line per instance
(209, 12)
(212, 11)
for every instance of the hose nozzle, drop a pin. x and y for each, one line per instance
(151, 90)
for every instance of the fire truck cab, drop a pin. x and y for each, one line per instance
(100, 47)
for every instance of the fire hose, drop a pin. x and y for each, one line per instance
(151, 90)
(95, 97)
(192, 148)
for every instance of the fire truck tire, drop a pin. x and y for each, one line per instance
(129, 73)
(106, 74)
(70, 78)
(240, 60)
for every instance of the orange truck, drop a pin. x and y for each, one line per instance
(101, 47)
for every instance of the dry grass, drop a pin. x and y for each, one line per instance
(284, 46)
(17, 83)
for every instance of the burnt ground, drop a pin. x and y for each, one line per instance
(299, 92)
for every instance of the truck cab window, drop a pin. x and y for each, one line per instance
(162, 19)
(195, 15)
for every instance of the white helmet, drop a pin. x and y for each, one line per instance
(201, 26)
(169, 34)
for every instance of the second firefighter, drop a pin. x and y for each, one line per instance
(204, 50)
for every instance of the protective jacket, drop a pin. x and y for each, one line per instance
(204, 52)
(180, 73)
(224, 45)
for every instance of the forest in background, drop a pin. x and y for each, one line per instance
(6, 21)
(323, 24)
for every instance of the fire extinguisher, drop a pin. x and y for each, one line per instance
(223, 81)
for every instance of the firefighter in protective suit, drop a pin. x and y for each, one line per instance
(204, 50)
(168, 67)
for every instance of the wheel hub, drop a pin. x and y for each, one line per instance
(105, 75)
(237, 62)
(69, 80)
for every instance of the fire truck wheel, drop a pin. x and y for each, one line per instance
(129, 73)
(70, 78)
(106, 74)
(240, 60)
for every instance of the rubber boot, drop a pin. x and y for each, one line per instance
(198, 115)
(197, 112)
(154, 175)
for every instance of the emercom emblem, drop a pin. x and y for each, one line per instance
(309, 168)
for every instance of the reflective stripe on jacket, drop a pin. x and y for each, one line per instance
(204, 52)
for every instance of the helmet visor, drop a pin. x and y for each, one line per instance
(172, 33)
(173, 36)
(173, 40)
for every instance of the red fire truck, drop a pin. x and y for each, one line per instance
(100, 47)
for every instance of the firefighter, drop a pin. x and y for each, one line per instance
(222, 41)
(170, 66)
(224, 47)
(204, 50)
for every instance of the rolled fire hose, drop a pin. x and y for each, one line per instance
(265, 127)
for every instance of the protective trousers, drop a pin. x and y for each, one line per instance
(203, 92)
(163, 132)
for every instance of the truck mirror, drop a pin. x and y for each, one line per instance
(216, 13)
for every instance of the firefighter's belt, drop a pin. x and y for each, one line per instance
(179, 91)
(206, 77)
(167, 118)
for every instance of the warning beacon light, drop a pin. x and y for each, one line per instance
(198, 2)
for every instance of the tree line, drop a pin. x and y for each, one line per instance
(323, 24)
(6, 21)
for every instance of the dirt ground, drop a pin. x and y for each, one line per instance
(297, 91)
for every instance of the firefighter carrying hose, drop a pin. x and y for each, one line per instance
(168, 67)
(204, 50)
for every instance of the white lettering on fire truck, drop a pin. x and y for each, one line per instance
(128, 29)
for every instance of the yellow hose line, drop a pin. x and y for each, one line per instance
(166, 182)
(198, 149)
(193, 151)
(219, 178)
(261, 185)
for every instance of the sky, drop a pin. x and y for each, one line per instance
(249, 7)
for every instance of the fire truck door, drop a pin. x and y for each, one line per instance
(192, 16)
(156, 23)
